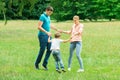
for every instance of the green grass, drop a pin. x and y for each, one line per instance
(19, 48)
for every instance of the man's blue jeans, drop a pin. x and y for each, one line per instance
(43, 40)
(78, 46)
(58, 59)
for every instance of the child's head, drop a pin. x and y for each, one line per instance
(57, 35)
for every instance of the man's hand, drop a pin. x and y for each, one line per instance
(48, 33)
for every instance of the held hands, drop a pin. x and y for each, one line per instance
(60, 31)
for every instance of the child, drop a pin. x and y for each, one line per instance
(55, 47)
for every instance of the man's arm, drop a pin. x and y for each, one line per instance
(55, 28)
(41, 29)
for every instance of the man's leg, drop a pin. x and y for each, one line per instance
(41, 51)
(48, 52)
(39, 57)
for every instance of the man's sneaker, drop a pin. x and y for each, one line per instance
(45, 68)
(58, 70)
(36, 66)
(63, 70)
(69, 69)
(80, 70)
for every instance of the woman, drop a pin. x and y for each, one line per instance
(76, 42)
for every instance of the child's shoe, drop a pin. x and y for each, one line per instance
(58, 70)
(63, 70)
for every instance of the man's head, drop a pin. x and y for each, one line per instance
(57, 35)
(49, 10)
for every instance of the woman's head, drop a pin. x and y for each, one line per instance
(76, 19)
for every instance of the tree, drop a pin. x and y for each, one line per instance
(22, 9)
(3, 9)
(63, 9)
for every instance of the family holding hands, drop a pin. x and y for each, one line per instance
(53, 45)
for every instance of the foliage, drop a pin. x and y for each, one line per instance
(87, 9)
(63, 9)
(3, 10)
(23, 9)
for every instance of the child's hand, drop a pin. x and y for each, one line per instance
(60, 31)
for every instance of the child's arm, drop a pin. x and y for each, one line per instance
(67, 40)
(49, 39)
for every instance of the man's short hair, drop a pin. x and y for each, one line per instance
(49, 8)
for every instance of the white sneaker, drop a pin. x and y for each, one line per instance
(80, 70)
(69, 69)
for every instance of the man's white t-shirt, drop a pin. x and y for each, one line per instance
(55, 44)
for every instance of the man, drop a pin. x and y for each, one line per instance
(44, 26)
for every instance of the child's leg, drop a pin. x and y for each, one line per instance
(56, 61)
(55, 53)
(60, 61)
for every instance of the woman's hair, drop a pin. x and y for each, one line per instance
(76, 17)
(57, 35)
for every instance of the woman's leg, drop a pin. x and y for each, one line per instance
(78, 51)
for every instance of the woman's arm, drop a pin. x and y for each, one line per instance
(66, 32)
(77, 33)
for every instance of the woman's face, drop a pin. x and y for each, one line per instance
(76, 21)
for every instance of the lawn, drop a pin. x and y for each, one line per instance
(19, 48)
